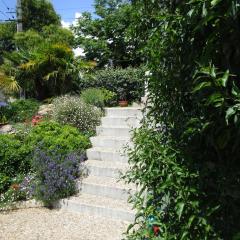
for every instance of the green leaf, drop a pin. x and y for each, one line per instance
(191, 220)
(230, 112)
(180, 207)
(201, 86)
(216, 99)
(204, 10)
(184, 235)
(190, 13)
(215, 2)
(212, 72)
(224, 79)
(235, 90)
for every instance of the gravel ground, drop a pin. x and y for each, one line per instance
(42, 224)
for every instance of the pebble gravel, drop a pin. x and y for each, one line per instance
(45, 224)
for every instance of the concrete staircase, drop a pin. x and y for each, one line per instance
(101, 193)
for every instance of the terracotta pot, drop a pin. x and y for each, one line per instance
(123, 103)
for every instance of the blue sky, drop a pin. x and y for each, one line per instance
(67, 9)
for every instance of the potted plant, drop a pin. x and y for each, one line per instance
(122, 98)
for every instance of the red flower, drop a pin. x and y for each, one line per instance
(156, 230)
(36, 119)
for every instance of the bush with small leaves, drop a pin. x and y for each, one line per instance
(73, 111)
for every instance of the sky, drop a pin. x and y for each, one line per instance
(67, 9)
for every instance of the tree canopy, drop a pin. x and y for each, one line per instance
(7, 31)
(106, 38)
(38, 13)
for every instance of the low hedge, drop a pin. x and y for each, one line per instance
(126, 83)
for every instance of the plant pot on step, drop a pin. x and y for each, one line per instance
(123, 103)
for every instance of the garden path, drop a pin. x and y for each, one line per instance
(45, 224)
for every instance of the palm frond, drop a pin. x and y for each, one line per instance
(9, 84)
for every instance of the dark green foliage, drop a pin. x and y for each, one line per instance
(7, 31)
(51, 135)
(22, 110)
(12, 160)
(194, 91)
(38, 13)
(4, 110)
(172, 187)
(106, 39)
(126, 83)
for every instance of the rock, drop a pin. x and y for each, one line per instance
(45, 109)
(6, 129)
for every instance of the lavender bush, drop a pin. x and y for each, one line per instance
(56, 174)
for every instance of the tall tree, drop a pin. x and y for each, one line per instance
(38, 13)
(7, 31)
(106, 39)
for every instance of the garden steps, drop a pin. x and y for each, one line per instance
(101, 206)
(114, 131)
(106, 154)
(106, 187)
(111, 142)
(121, 121)
(106, 169)
(101, 193)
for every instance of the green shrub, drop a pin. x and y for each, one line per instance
(73, 111)
(194, 94)
(127, 83)
(99, 97)
(22, 110)
(168, 194)
(110, 98)
(52, 135)
(93, 96)
(13, 160)
(4, 109)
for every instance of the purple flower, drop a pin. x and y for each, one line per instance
(56, 173)
(3, 104)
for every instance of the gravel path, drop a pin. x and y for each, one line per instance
(45, 224)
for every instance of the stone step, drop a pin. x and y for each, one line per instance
(131, 122)
(105, 187)
(124, 112)
(101, 206)
(104, 154)
(116, 143)
(114, 131)
(105, 169)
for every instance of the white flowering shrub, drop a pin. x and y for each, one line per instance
(73, 111)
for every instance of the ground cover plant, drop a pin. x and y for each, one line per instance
(22, 110)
